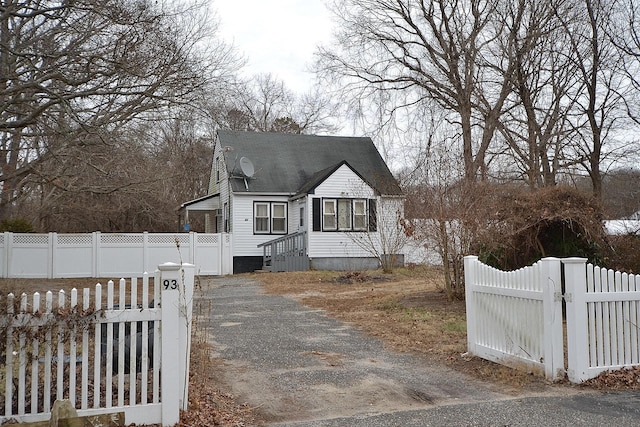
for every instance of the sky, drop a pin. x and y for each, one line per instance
(276, 36)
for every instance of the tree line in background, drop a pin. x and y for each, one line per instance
(108, 111)
(497, 101)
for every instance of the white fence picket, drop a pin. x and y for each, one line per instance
(35, 344)
(84, 393)
(47, 354)
(500, 303)
(8, 387)
(602, 307)
(97, 351)
(51, 352)
(611, 303)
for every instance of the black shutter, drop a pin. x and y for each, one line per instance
(316, 214)
(373, 215)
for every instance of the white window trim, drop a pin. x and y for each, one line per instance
(352, 226)
(273, 217)
(364, 214)
(334, 202)
(270, 217)
(255, 217)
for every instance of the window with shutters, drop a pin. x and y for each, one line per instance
(344, 215)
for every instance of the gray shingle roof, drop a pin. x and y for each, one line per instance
(290, 163)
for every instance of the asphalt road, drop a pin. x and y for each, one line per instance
(298, 367)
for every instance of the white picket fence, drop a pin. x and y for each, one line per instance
(515, 318)
(97, 254)
(126, 351)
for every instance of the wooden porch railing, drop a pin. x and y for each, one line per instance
(286, 253)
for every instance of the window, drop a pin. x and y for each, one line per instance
(269, 218)
(261, 221)
(225, 216)
(344, 214)
(278, 218)
(329, 215)
(359, 215)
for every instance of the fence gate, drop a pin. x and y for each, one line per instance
(515, 318)
(603, 315)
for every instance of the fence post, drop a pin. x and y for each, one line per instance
(145, 251)
(575, 279)
(228, 253)
(98, 253)
(551, 285)
(4, 268)
(51, 248)
(176, 282)
(470, 262)
(193, 246)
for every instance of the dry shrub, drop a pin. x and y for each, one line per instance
(556, 221)
(625, 253)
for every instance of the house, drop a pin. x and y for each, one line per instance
(295, 201)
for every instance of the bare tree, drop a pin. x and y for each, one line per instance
(537, 126)
(387, 238)
(599, 101)
(265, 104)
(446, 213)
(625, 33)
(444, 51)
(73, 74)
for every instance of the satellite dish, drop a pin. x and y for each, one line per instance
(247, 167)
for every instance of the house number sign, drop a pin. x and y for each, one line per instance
(170, 285)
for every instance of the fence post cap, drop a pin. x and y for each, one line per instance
(574, 260)
(169, 266)
(172, 266)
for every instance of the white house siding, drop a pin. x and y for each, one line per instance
(344, 183)
(245, 243)
(213, 182)
(221, 187)
(294, 214)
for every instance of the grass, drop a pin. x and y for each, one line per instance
(394, 308)
(455, 326)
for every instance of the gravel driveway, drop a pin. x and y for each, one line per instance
(298, 367)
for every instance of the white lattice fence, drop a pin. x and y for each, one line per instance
(97, 254)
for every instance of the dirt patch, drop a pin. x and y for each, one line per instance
(208, 405)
